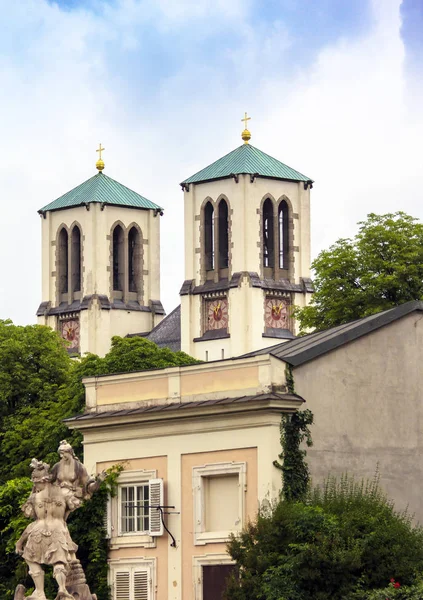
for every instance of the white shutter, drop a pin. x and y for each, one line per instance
(141, 584)
(155, 499)
(107, 519)
(122, 585)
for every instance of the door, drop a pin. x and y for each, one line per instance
(214, 580)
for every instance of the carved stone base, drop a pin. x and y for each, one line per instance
(76, 583)
(19, 592)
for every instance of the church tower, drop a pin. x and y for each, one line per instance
(100, 264)
(247, 253)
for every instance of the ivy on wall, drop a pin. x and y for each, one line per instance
(295, 429)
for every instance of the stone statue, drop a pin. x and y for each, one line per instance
(55, 494)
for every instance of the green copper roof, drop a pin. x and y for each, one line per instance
(250, 160)
(104, 190)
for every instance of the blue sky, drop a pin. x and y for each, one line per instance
(334, 89)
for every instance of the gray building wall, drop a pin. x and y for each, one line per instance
(366, 397)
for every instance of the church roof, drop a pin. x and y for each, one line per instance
(247, 160)
(167, 334)
(101, 189)
(303, 349)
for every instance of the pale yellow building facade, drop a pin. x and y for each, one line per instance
(210, 432)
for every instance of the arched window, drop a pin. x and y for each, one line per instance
(268, 235)
(209, 236)
(223, 235)
(283, 232)
(118, 259)
(134, 260)
(76, 259)
(62, 266)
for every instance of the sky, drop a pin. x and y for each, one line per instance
(334, 89)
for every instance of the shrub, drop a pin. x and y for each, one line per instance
(344, 538)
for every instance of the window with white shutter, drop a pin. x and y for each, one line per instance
(133, 579)
(131, 521)
(122, 585)
(141, 585)
(156, 500)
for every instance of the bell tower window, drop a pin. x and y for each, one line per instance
(268, 236)
(118, 259)
(63, 264)
(223, 235)
(283, 234)
(209, 236)
(134, 260)
(76, 259)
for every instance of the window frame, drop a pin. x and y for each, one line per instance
(132, 565)
(199, 475)
(119, 539)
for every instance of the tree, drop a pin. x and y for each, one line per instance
(39, 387)
(381, 267)
(345, 541)
(34, 365)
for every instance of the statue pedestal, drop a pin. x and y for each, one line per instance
(76, 583)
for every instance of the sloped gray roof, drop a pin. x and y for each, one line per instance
(309, 347)
(188, 406)
(167, 334)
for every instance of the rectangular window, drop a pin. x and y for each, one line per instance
(216, 485)
(134, 515)
(134, 503)
(134, 580)
(221, 490)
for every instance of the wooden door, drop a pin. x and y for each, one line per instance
(214, 580)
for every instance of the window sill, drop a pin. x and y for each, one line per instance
(213, 537)
(132, 541)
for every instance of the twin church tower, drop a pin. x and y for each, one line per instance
(247, 259)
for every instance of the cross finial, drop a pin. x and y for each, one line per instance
(246, 135)
(245, 119)
(100, 163)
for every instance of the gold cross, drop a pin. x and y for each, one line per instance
(245, 119)
(100, 149)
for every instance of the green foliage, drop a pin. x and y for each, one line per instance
(139, 354)
(295, 429)
(39, 387)
(91, 540)
(34, 366)
(404, 592)
(381, 267)
(345, 541)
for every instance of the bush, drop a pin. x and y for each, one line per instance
(343, 540)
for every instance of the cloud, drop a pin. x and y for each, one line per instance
(163, 86)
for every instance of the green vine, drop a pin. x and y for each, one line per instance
(289, 375)
(93, 545)
(295, 429)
